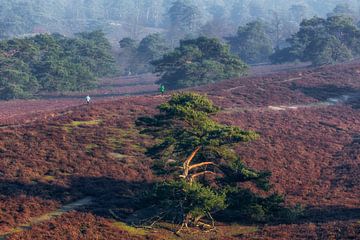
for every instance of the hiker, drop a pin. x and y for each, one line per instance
(162, 89)
(88, 99)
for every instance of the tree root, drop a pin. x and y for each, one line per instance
(197, 223)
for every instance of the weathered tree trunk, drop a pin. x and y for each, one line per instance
(186, 165)
(190, 178)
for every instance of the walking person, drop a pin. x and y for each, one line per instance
(88, 99)
(162, 89)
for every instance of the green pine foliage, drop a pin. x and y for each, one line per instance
(247, 207)
(53, 63)
(197, 62)
(204, 173)
(189, 115)
(322, 41)
(252, 43)
(136, 58)
(16, 79)
(192, 200)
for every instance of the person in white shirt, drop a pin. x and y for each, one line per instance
(88, 99)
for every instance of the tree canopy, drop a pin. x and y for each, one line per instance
(251, 43)
(197, 62)
(53, 63)
(184, 20)
(322, 41)
(134, 18)
(136, 58)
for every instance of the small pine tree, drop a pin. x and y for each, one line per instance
(196, 154)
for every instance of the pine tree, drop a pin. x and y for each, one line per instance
(196, 154)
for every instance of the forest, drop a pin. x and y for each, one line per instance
(52, 62)
(135, 18)
(298, 34)
(42, 49)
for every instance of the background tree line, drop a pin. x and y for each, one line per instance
(241, 23)
(136, 18)
(136, 57)
(322, 41)
(53, 63)
(259, 32)
(183, 41)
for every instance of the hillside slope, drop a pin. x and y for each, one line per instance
(310, 131)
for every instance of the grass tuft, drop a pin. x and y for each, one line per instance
(48, 178)
(240, 230)
(89, 148)
(118, 156)
(84, 123)
(131, 230)
(73, 124)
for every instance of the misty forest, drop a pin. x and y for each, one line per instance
(130, 37)
(179, 119)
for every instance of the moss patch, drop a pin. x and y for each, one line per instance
(131, 230)
(68, 127)
(48, 178)
(118, 156)
(84, 123)
(237, 230)
(126, 139)
(89, 148)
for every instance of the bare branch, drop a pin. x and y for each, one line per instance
(188, 161)
(201, 164)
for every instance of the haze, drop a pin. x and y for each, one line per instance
(137, 18)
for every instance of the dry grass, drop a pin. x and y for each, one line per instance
(131, 230)
(69, 127)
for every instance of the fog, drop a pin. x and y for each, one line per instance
(137, 18)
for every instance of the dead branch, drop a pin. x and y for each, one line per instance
(188, 161)
(200, 165)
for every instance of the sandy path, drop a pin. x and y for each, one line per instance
(329, 102)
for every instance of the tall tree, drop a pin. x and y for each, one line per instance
(322, 41)
(218, 26)
(252, 44)
(280, 28)
(328, 50)
(16, 80)
(136, 58)
(151, 47)
(184, 20)
(196, 62)
(127, 55)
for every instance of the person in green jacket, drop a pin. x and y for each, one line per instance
(162, 89)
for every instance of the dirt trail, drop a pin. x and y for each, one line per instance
(46, 217)
(329, 102)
